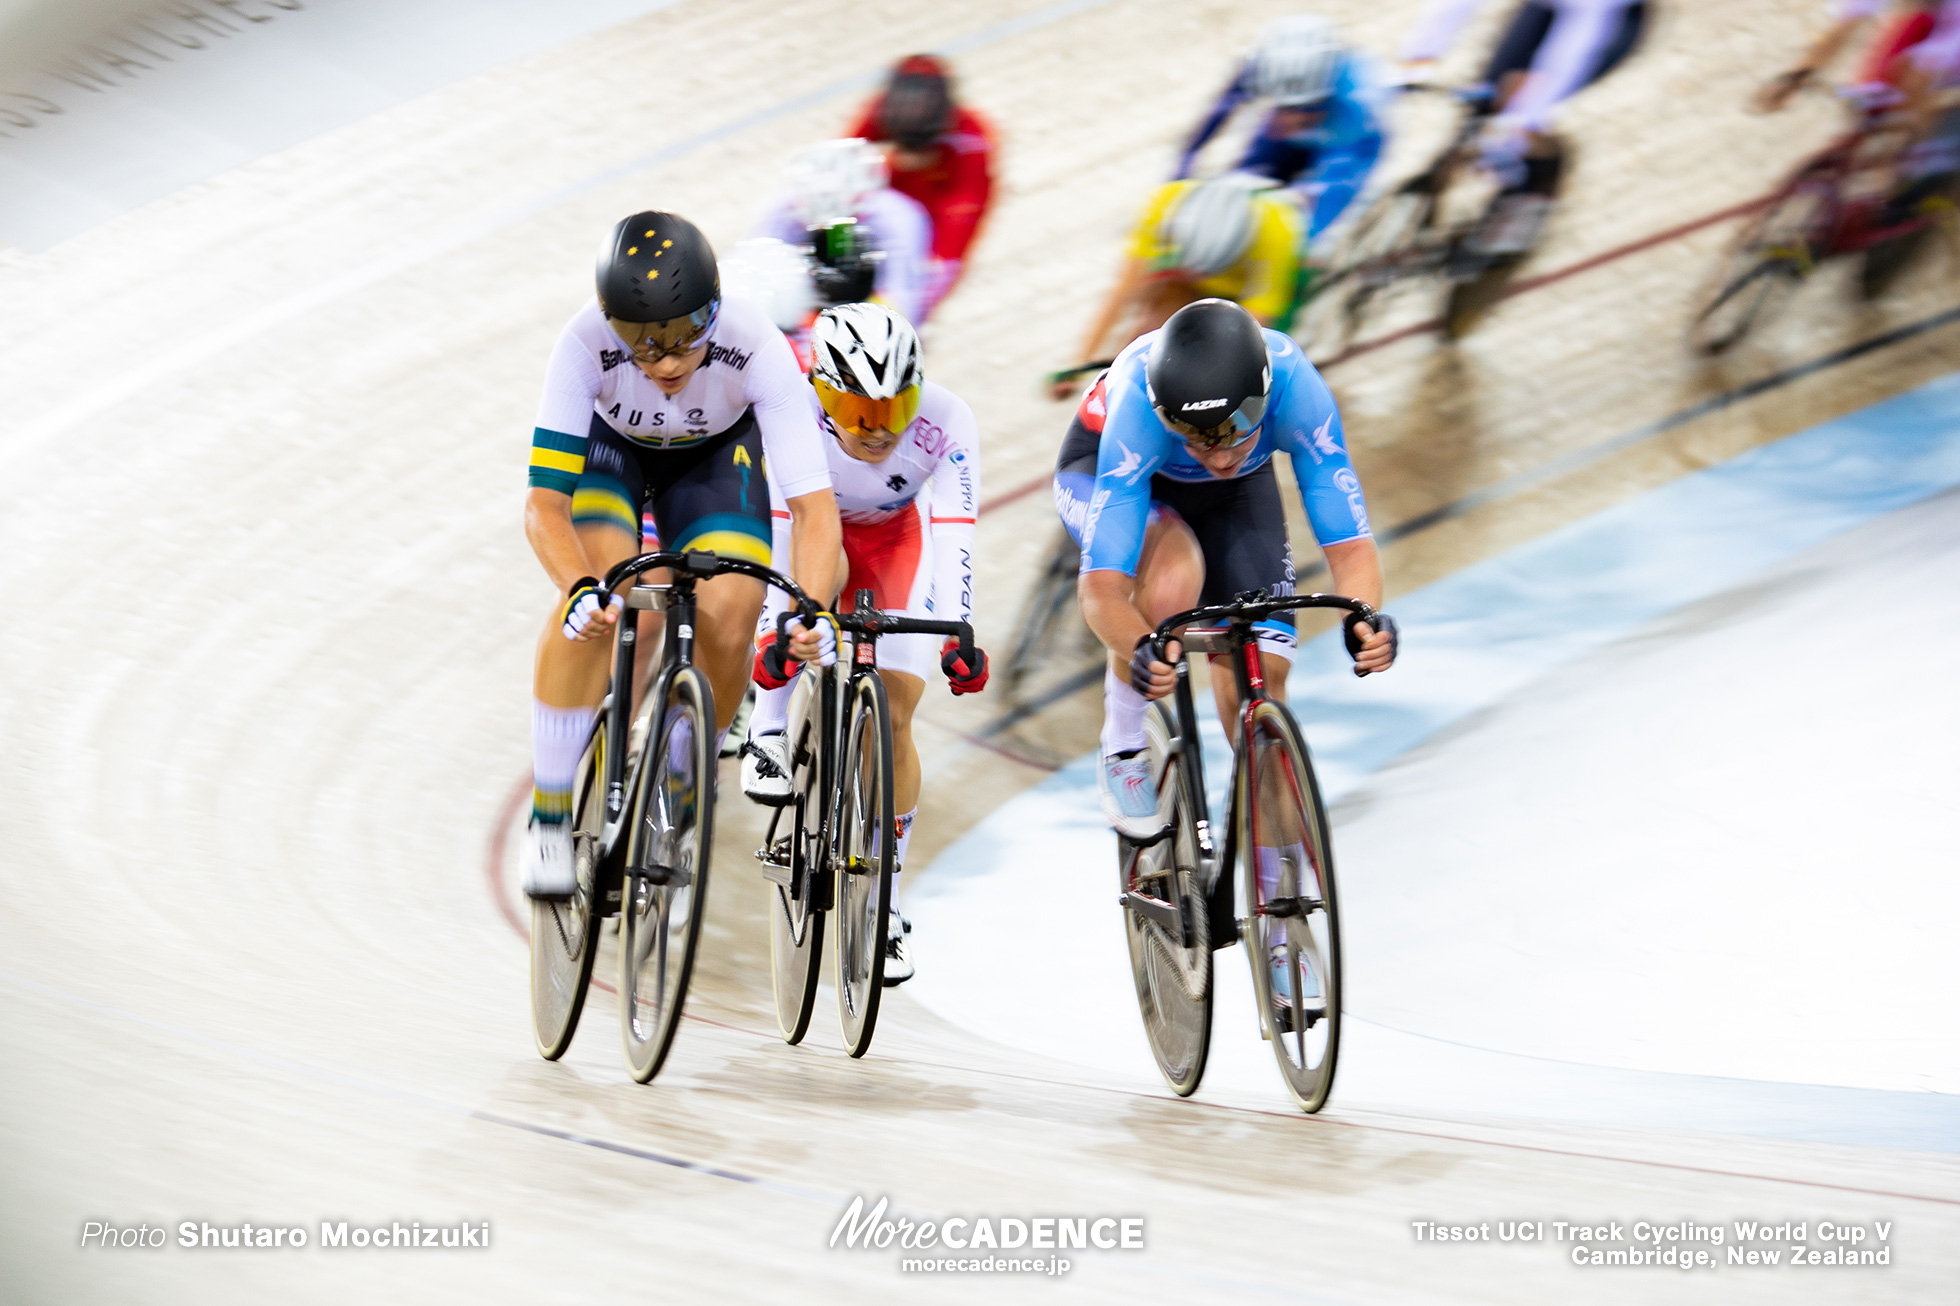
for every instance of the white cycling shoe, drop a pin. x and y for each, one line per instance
(898, 956)
(1129, 794)
(765, 769)
(548, 868)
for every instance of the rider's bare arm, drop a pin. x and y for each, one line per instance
(548, 526)
(1355, 570)
(1115, 307)
(816, 539)
(1828, 45)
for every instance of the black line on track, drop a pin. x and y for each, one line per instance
(344, 1080)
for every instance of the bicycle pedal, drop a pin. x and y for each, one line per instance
(665, 875)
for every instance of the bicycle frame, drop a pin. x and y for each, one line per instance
(677, 599)
(1236, 641)
(816, 886)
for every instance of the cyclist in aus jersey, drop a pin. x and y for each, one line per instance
(1166, 481)
(659, 395)
(890, 433)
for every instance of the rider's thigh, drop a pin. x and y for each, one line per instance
(725, 614)
(1170, 568)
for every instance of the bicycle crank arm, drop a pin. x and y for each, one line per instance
(1293, 906)
(1165, 915)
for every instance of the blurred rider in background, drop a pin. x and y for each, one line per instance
(1231, 237)
(1322, 134)
(888, 432)
(1549, 50)
(1246, 236)
(779, 279)
(867, 240)
(1884, 64)
(941, 154)
(1910, 69)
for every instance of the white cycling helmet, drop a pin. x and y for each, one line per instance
(1297, 60)
(828, 180)
(864, 362)
(1211, 225)
(773, 275)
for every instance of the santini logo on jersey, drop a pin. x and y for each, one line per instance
(735, 358)
(1203, 404)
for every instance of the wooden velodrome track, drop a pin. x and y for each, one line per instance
(264, 694)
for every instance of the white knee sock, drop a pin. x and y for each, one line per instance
(558, 737)
(1123, 710)
(904, 842)
(771, 713)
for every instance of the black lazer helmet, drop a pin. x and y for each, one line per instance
(1208, 373)
(658, 283)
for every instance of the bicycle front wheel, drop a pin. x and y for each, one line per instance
(564, 933)
(795, 915)
(866, 838)
(1292, 933)
(1167, 926)
(1763, 268)
(666, 880)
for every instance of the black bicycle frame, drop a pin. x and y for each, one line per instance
(865, 625)
(1237, 641)
(677, 650)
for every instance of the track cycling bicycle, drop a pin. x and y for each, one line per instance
(840, 847)
(1845, 199)
(1406, 234)
(1178, 902)
(643, 827)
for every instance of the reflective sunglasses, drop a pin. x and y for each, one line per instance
(1234, 430)
(650, 342)
(861, 414)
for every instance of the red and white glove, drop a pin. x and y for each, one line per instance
(961, 677)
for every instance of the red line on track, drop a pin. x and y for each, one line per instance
(499, 844)
(1523, 287)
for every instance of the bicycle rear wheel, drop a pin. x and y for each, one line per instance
(564, 933)
(864, 831)
(1292, 931)
(796, 922)
(1385, 246)
(1170, 949)
(1763, 268)
(666, 881)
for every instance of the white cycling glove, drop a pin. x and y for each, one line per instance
(583, 606)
